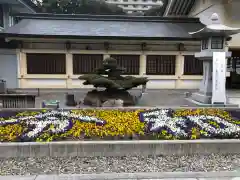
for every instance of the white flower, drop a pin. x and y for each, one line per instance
(60, 120)
(160, 119)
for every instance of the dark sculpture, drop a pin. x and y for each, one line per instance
(116, 86)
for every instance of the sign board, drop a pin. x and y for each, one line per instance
(219, 78)
(50, 104)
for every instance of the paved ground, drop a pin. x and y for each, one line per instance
(164, 98)
(150, 98)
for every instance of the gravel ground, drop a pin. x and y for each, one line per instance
(76, 165)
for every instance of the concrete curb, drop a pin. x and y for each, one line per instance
(118, 148)
(116, 176)
(122, 108)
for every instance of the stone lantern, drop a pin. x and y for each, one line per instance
(213, 53)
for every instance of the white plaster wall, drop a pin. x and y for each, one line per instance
(189, 84)
(152, 84)
(8, 67)
(45, 83)
(177, 81)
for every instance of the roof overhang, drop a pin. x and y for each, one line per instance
(215, 30)
(10, 37)
(103, 27)
(105, 17)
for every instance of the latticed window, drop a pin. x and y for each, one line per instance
(204, 44)
(131, 63)
(217, 43)
(161, 65)
(86, 63)
(192, 66)
(46, 63)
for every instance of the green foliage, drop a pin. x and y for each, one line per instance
(78, 7)
(98, 7)
(114, 79)
(156, 11)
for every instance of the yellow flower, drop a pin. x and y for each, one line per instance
(118, 123)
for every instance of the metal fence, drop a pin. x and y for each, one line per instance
(17, 101)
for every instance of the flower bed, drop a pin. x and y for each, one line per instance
(59, 125)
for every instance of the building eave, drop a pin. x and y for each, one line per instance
(106, 17)
(10, 37)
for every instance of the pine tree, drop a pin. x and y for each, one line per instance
(78, 7)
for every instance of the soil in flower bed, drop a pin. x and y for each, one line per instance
(61, 125)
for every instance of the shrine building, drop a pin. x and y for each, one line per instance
(54, 50)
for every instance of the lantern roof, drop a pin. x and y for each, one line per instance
(215, 29)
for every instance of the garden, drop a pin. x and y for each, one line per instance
(118, 124)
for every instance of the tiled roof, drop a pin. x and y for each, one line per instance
(90, 26)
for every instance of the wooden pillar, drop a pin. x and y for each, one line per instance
(106, 56)
(22, 68)
(69, 69)
(179, 70)
(143, 61)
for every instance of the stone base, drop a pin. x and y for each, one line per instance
(201, 98)
(98, 98)
(199, 104)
